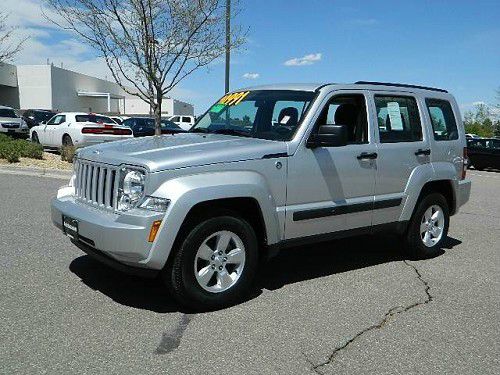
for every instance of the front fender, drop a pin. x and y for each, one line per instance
(186, 191)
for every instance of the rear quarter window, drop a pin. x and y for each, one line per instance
(442, 118)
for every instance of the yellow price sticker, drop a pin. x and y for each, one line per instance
(234, 98)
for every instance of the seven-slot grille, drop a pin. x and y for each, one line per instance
(97, 184)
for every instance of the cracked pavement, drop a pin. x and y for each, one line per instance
(352, 306)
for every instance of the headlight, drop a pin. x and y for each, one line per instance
(155, 204)
(130, 188)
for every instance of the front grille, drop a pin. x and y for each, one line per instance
(10, 125)
(97, 184)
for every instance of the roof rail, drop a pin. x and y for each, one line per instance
(399, 85)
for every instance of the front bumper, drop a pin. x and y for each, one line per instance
(123, 237)
(17, 131)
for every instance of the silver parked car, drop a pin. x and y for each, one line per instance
(266, 168)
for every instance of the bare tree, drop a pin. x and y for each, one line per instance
(149, 45)
(9, 46)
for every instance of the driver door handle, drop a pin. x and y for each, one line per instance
(367, 155)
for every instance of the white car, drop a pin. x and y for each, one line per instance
(11, 123)
(184, 122)
(78, 129)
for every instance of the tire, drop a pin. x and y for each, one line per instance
(67, 141)
(207, 291)
(424, 237)
(34, 138)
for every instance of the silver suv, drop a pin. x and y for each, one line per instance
(267, 168)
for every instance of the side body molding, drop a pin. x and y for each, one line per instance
(185, 192)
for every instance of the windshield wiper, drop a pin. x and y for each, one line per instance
(232, 132)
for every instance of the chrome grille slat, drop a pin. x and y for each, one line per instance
(97, 184)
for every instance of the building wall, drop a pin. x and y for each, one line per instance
(66, 84)
(34, 86)
(169, 107)
(8, 75)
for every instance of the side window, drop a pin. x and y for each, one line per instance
(186, 119)
(349, 110)
(175, 119)
(56, 120)
(442, 119)
(398, 119)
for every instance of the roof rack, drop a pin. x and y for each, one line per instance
(399, 85)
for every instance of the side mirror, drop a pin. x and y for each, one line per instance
(328, 136)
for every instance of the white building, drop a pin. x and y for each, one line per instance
(50, 87)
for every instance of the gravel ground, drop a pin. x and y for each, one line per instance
(50, 161)
(353, 306)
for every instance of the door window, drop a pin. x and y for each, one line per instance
(443, 122)
(175, 119)
(186, 119)
(57, 120)
(348, 110)
(398, 119)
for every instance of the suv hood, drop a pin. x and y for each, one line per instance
(181, 150)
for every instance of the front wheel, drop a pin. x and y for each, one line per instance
(34, 138)
(67, 141)
(215, 263)
(428, 227)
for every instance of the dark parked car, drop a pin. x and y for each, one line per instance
(145, 126)
(484, 153)
(35, 117)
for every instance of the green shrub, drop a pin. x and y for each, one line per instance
(68, 153)
(13, 149)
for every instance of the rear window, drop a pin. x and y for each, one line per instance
(7, 112)
(94, 118)
(443, 122)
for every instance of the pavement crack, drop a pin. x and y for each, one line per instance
(392, 312)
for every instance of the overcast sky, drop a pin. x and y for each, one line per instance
(449, 44)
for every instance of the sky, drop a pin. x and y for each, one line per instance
(449, 44)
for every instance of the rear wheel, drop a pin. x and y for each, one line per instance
(67, 141)
(428, 227)
(215, 263)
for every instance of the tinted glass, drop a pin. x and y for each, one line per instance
(443, 120)
(7, 112)
(167, 124)
(43, 116)
(98, 119)
(266, 114)
(398, 119)
(186, 119)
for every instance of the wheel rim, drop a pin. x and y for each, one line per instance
(432, 226)
(219, 261)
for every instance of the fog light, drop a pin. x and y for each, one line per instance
(154, 230)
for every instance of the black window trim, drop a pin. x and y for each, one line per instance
(430, 118)
(397, 94)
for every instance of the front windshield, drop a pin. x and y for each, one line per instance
(265, 114)
(7, 112)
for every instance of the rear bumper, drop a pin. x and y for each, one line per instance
(463, 193)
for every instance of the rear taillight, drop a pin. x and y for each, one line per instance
(106, 130)
(465, 163)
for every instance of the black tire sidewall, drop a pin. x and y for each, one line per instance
(184, 283)
(34, 138)
(67, 141)
(416, 248)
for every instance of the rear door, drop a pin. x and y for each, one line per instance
(402, 145)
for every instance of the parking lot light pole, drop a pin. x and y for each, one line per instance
(228, 42)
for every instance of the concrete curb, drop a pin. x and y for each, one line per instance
(38, 172)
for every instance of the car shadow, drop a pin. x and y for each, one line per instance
(289, 266)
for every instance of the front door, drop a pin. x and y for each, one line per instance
(331, 189)
(53, 131)
(402, 146)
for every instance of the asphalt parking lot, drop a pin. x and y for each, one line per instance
(350, 306)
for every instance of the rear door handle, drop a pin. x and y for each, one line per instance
(367, 155)
(423, 152)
